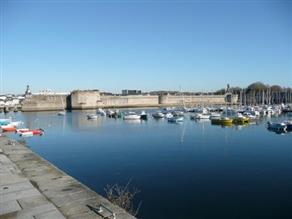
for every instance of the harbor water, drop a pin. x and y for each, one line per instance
(189, 170)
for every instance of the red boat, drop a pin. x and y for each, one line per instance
(8, 129)
(34, 131)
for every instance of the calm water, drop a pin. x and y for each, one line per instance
(189, 170)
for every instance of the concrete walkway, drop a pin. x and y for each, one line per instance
(31, 187)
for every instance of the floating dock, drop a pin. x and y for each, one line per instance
(33, 188)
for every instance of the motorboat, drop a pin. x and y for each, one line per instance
(275, 126)
(92, 116)
(158, 115)
(215, 115)
(176, 119)
(143, 115)
(168, 115)
(178, 113)
(200, 116)
(288, 125)
(222, 121)
(61, 113)
(101, 112)
(110, 113)
(132, 116)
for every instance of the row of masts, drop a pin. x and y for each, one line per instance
(264, 97)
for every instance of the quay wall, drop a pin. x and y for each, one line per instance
(170, 100)
(35, 188)
(92, 99)
(42, 102)
(129, 101)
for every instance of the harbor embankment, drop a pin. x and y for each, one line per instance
(31, 187)
(92, 99)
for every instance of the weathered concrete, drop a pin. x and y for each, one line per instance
(129, 101)
(85, 99)
(31, 187)
(172, 100)
(44, 103)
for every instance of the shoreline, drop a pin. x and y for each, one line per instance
(61, 194)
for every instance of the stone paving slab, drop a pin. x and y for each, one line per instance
(31, 187)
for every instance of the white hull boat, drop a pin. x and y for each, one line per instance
(158, 115)
(132, 116)
(92, 117)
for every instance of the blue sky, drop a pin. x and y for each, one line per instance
(148, 45)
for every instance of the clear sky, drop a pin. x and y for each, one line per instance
(149, 45)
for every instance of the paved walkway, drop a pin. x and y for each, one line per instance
(31, 187)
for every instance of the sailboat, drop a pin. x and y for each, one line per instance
(224, 120)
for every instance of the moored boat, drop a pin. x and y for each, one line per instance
(277, 126)
(222, 121)
(176, 119)
(31, 132)
(288, 125)
(143, 115)
(92, 116)
(8, 128)
(200, 116)
(61, 113)
(158, 115)
(132, 116)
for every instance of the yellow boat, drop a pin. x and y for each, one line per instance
(222, 121)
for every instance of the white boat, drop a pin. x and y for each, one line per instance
(215, 115)
(61, 113)
(168, 115)
(178, 113)
(158, 115)
(101, 112)
(132, 116)
(176, 119)
(16, 123)
(26, 134)
(200, 116)
(92, 116)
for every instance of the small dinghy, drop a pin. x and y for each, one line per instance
(92, 116)
(28, 132)
(61, 113)
(8, 128)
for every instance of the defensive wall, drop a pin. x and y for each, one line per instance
(92, 99)
(46, 102)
